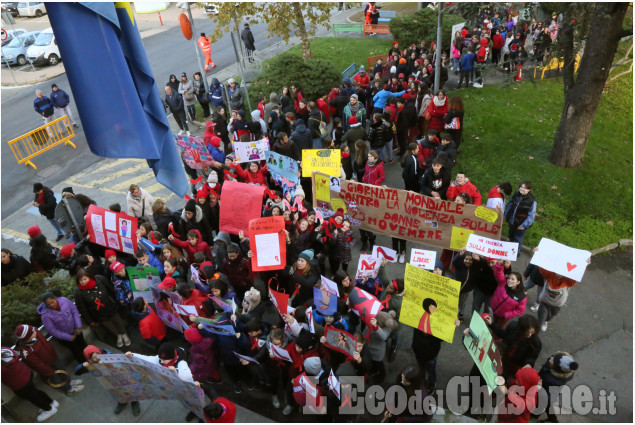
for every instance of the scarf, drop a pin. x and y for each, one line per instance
(90, 285)
(40, 198)
(346, 155)
(438, 102)
(354, 109)
(171, 362)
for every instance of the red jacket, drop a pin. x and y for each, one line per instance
(425, 153)
(151, 326)
(524, 396)
(298, 359)
(259, 177)
(332, 95)
(196, 299)
(498, 42)
(324, 107)
(229, 414)
(469, 188)
(39, 356)
(363, 80)
(15, 374)
(436, 115)
(374, 175)
(201, 246)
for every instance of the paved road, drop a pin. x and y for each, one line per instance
(168, 52)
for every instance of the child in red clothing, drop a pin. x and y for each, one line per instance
(193, 245)
(255, 174)
(151, 327)
(220, 410)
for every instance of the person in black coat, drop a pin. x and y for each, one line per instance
(174, 101)
(521, 342)
(555, 373)
(43, 256)
(163, 217)
(411, 169)
(192, 218)
(446, 146)
(248, 39)
(45, 201)
(436, 180)
(220, 129)
(14, 267)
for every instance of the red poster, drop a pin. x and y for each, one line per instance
(240, 203)
(365, 305)
(268, 243)
(113, 230)
(280, 300)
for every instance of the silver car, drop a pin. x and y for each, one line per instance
(15, 52)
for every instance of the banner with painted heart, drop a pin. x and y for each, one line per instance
(561, 259)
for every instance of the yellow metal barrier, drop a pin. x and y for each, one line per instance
(42, 139)
(556, 64)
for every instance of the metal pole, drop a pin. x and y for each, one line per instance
(201, 65)
(437, 73)
(9, 66)
(72, 218)
(240, 67)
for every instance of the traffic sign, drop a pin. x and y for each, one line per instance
(3, 35)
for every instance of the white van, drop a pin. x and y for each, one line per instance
(31, 8)
(45, 49)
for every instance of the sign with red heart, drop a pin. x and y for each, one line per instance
(558, 258)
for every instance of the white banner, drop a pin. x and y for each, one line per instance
(561, 259)
(492, 248)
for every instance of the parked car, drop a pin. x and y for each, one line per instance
(12, 33)
(44, 50)
(210, 8)
(31, 8)
(11, 7)
(15, 51)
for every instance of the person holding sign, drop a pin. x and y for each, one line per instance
(509, 299)
(340, 247)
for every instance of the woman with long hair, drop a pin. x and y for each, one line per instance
(454, 119)
(361, 157)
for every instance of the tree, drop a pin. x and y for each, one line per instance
(299, 19)
(582, 95)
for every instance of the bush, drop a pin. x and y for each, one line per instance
(21, 299)
(422, 25)
(285, 69)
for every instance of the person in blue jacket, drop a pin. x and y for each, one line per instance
(61, 101)
(147, 259)
(381, 97)
(467, 67)
(216, 93)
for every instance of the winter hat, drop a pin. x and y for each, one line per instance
(167, 283)
(307, 255)
(355, 96)
(210, 124)
(517, 34)
(213, 177)
(394, 43)
(193, 336)
(401, 76)
(312, 365)
(402, 61)
(564, 363)
(215, 141)
(223, 237)
(167, 351)
(37, 187)
(47, 295)
(201, 194)
(34, 231)
(232, 247)
(23, 332)
(231, 80)
(190, 206)
(393, 69)
(7, 355)
(109, 253)
(241, 112)
(362, 69)
(67, 250)
(299, 191)
(305, 340)
(68, 191)
(90, 349)
(206, 273)
(116, 267)
(251, 300)
(298, 122)
(339, 213)
(438, 265)
(406, 96)
(352, 121)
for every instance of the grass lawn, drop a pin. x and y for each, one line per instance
(402, 8)
(508, 136)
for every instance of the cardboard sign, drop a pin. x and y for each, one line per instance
(251, 151)
(340, 340)
(268, 242)
(279, 353)
(368, 266)
(561, 259)
(484, 351)
(195, 152)
(280, 300)
(430, 303)
(326, 161)
(364, 305)
(382, 252)
(423, 259)
(330, 286)
(282, 166)
(334, 385)
(325, 302)
(492, 248)
(404, 214)
(241, 203)
(142, 279)
(113, 230)
(323, 189)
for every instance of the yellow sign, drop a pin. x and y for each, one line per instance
(459, 237)
(327, 161)
(430, 303)
(486, 214)
(323, 188)
(338, 203)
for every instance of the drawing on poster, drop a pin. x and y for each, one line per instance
(100, 239)
(124, 228)
(110, 220)
(336, 185)
(127, 246)
(325, 302)
(113, 241)
(97, 223)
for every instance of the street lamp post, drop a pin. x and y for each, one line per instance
(437, 73)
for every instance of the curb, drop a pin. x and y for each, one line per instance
(623, 242)
(32, 82)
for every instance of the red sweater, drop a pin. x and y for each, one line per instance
(374, 175)
(259, 177)
(469, 188)
(15, 374)
(151, 326)
(324, 107)
(229, 414)
(196, 299)
(201, 246)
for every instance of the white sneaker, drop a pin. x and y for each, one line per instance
(188, 133)
(477, 85)
(76, 382)
(544, 326)
(180, 133)
(46, 414)
(126, 340)
(75, 389)
(451, 68)
(287, 410)
(275, 401)
(55, 404)
(534, 308)
(119, 340)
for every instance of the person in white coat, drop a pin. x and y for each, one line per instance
(171, 357)
(140, 204)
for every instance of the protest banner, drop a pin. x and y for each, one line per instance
(430, 303)
(135, 379)
(241, 203)
(280, 300)
(282, 166)
(561, 259)
(382, 252)
(280, 353)
(195, 152)
(165, 303)
(492, 248)
(364, 305)
(326, 161)
(422, 258)
(403, 214)
(368, 266)
(340, 340)
(250, 151)
(142, 279)
(325, 302)
(334, 385)
(113, 230)
(484, 351)
(329, 286)
(268, 242)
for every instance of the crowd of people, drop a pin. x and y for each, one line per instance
(373, 118)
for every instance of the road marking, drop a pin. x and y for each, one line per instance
(85, 186)
(154, 188)
(21, 237)
(112, 164)
(136, 180)
(116, 174)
